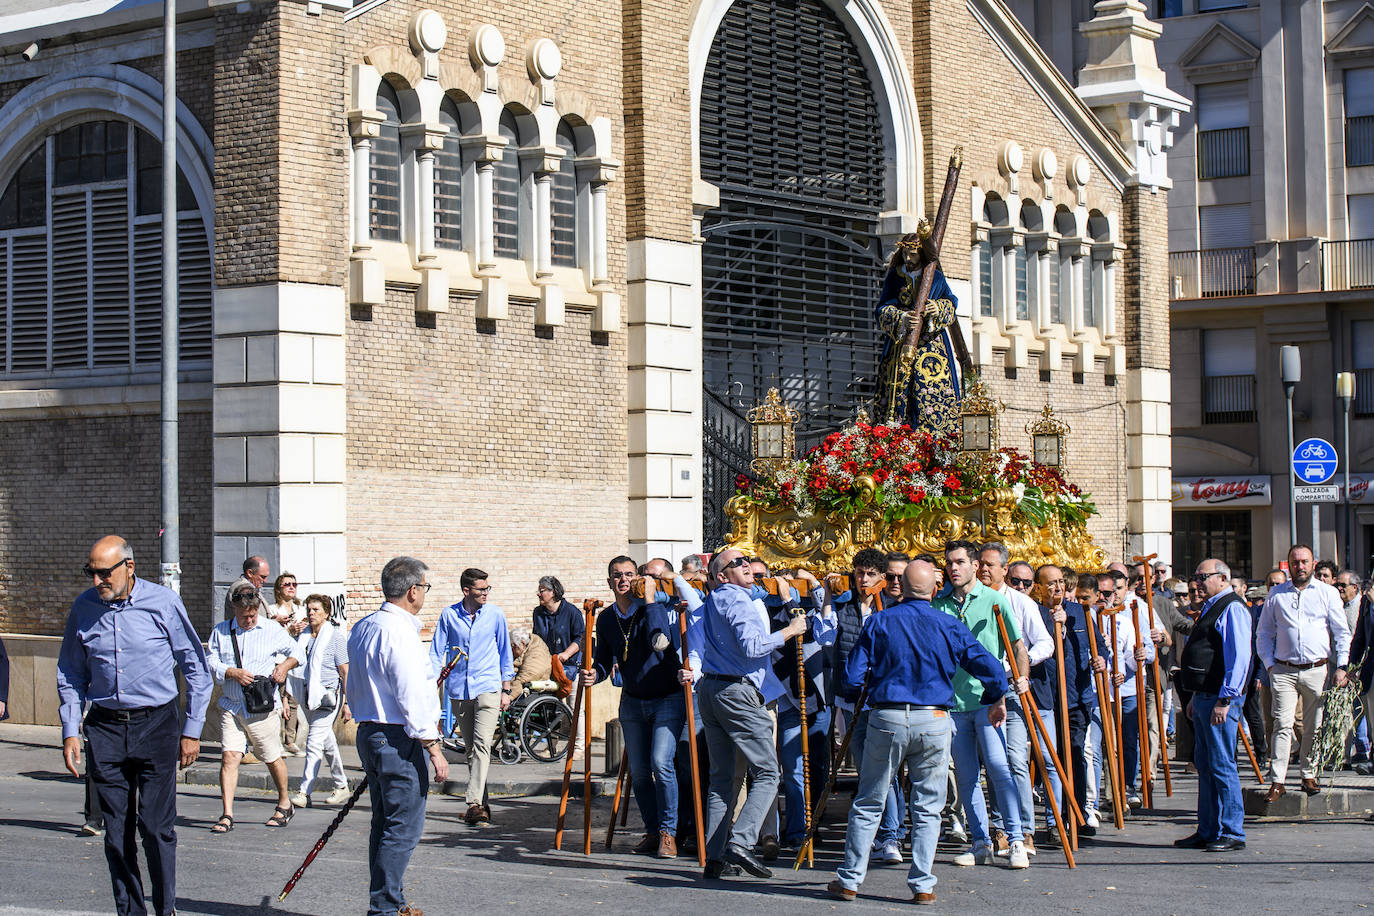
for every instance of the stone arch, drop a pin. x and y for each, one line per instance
(888, 72)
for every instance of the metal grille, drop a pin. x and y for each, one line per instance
(1223, 535)
(1223, 153)
(505, 190)
(564, 202)
(1359, 140)
(385, 192)
(448, 181)
(1228, 399)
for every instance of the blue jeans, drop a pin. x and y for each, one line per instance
(793, 775)
(652, 729)
(1220, 811)
(975, 737)
(397, 782)
(890, 830)
(1018, 758)
(921, 737)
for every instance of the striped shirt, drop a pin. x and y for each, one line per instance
(261, 648)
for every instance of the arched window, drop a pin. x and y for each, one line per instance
(384, 196)
(1061, 305)
(81, 256)
(505, 189)
(990, 256)
(564, 199)
(448, 179)
(1095, 274)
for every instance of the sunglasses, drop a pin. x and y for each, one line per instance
(244, 599)
(1203, 577)
(736, 563)
(1018, 582)
(1106, 592)
(94, 572)
(893, 577)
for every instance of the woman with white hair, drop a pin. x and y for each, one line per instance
(533, 662)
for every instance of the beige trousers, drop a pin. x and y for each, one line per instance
(1286, 685)
(477, 720)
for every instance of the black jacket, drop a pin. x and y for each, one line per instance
(1363, 642)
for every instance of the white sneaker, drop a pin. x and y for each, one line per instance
(1019, 859)
(1092, 818)
(338, 796)
(300, 800)
(890, 854)
(978, 855)
(957, 833)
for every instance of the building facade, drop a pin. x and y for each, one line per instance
(1271, 241)
(494, 284)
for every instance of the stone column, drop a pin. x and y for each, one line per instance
(367, 284)
(485, 152)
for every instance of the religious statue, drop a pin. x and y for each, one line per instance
(920, 372)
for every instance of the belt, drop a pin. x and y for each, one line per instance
(727, 678)
(106, 714)
(1304, 666)
(908, 707)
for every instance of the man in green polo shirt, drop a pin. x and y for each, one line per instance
(974, 734)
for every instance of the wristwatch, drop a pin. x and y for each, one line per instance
(1223, 701)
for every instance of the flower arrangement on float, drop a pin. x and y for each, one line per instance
(906, 472)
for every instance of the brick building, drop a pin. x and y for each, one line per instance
(493, 283)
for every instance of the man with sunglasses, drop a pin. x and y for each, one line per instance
(479, 687)
(1301, 628)
(732, 651)
(1126, 659)
(125, 640)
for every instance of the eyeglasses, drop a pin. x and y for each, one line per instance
(244, 599)
(624, 575)
(288, 585)
(1106, 592)
(736, 563)
(1203, 577)
(1018, 582)
(93, 572)
(474, 589)
(893, 577)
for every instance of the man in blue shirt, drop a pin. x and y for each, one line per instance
(480, 684)
(1213, 668)
(126, 638)
(908, 656)
(733, 648)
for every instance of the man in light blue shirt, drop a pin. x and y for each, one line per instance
(480, 684)
(733, 653)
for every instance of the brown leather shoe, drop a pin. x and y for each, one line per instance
(409, 911)
(1030, 844)
(1310, 787)
(999, 843)
(473, 815)
(1275, 792)
(839, 892)
(646, 846)
(923, 898)
(667, 846)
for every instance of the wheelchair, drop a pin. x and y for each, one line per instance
(538, 725)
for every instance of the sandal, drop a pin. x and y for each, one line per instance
(282, 817)
(223, 825)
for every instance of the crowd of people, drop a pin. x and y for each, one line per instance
(984, 702)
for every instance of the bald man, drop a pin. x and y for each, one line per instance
(125, 640)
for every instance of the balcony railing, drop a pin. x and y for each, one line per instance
(1348, 264)
(1359, 140)
(1228, 399)
(1364, 392)
(1211, 273)
(1223, 153)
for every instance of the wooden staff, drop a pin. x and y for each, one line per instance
(1159, 680)
(1104, 710)
(589, 608)
(615, 803)
(1142, 720)
(805, 745)
(1066, 742)
(808, 842)
(1028, 706)
(692, 741)
(1250, 751)
(1117, 717)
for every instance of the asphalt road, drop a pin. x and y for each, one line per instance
(1310, 866)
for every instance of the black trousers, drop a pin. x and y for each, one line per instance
(1079, 717)
(1253, 711)
(133, 765)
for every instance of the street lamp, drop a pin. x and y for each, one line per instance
(1290, 370)
(1345, 390)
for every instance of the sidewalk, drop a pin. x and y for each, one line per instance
(35, 749)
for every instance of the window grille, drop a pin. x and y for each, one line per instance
(384, 195)
(1022, 294)
(984, 251)
(505, 188)
(564, 199)
(448, 181)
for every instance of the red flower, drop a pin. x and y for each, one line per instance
(880, 475)
(919, 495)
(951, 482)
(881, 432)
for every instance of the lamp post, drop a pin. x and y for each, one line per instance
(1290, 370)
(1345, 390)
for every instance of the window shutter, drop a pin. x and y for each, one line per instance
(1223, 105)
(505, 192)
(28, 300)
(1226, 226)
(70, 281)
(564, 203)
(193, 288)
(147, 293)
(110, 290)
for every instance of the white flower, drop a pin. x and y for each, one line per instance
(1020, 490)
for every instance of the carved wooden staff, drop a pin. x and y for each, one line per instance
(1250, 752)
(805, 743)
(1159, 681)
(1104, 713)
(1142, 720)
(1028, 706)
(692, 741)
(615, 803)
(590, 610)
(352, 800)
(580, 699)
(1117, 723)
(1066, 739)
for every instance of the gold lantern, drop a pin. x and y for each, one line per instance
(978, 422)
(774, 433)
(1048, 439)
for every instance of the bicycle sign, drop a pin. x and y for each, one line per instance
(1314, 461)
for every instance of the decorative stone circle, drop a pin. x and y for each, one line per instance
(486, 47)
(543, 60)
(428, 32)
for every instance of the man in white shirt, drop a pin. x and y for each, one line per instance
(993, 559)
(397, 709)
(1126, 659)
(1301, 628)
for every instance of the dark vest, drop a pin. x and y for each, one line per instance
(1202, 666)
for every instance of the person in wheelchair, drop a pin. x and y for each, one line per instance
(533, 661)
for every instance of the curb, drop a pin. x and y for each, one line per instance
(1297, 803)
(260, 780)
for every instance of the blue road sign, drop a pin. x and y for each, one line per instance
(1314, 461)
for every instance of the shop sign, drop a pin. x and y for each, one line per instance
(1207, 492)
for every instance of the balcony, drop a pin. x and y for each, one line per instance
(1228, 399)
(1223, 153)
(1212, 273)
(1348, 264)
(1359, 140)
(1364, 392)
